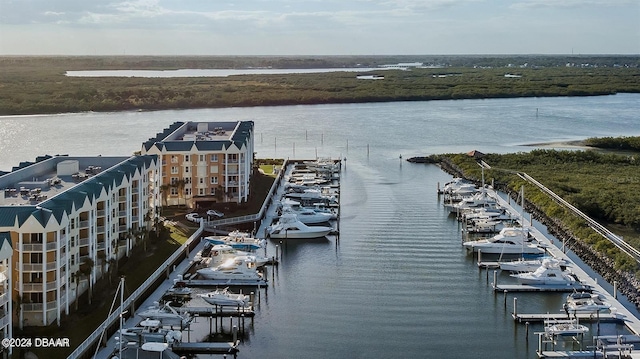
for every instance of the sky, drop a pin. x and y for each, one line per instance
(318, 27)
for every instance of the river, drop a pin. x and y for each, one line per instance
(398, 282)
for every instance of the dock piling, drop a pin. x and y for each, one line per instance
(505, 298)
(515, 308)
(526, 331)
(615, 289)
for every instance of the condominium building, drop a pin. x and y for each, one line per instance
(6, 308)
(204, 162)
(67, 219)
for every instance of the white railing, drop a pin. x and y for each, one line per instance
(90, 341)
(251, 217)
(612, 237)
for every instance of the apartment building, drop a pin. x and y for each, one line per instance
(204, 162)
(6, 308)
(61, 214)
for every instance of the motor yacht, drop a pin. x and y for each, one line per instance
(549, 273)
(232, 270)
(510, 240)
(289, 226)
(582, 302)
(166, 314)
(225, 298)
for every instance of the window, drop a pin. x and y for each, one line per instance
(201, 191)
(187, 158)
(174, 159)
(214, 158)
(213, 191)
(187, 180)
(174, 170)
(201, 180)
(187, 191)
(174, 180)
(213, 169)
(174, 191)
(202, 158)
(73, 259)
(186, 169)
(214, 180)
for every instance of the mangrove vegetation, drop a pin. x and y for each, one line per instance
(37, 85)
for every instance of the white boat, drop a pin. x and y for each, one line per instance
(308, 216)
(296, 206)
(476, 201)
(225, 298)
(581, 302)
(510, 240)
(242, 271)
(525, 265)
(166, 314)
(150, 330)
(289, 226)
(563, 327)
(218, 254)
(549, 273)
(237, 240)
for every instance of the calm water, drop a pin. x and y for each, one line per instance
(398, 282)
(208, 72)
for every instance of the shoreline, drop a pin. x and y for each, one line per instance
(573, 144)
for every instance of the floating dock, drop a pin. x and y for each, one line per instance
(206, 348)
(225, 282)
(541, 288)
(226, 311)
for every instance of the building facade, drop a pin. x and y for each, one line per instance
(68, 219)
(204, 162)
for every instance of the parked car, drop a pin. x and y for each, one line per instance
(214, 213)
(194, 217)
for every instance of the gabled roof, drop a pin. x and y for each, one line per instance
(75, 197)
(212, 145)
(6, 249)
(178, 145)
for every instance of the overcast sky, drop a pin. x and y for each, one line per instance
(318, 27)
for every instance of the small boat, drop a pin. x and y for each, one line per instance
(232, 270)
(289, 226)
(149, 350)
(179, 291)
(166, 314)
(549, 273)
(569, 327)
(582, 302)
(150, 330)
(225, 298)
(510, 240)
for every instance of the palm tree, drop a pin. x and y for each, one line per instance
(180, 184)
(102, 258)
(86, 269)
(164, 192)
(75, 277)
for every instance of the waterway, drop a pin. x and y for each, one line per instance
(398, 282)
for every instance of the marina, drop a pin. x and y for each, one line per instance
(236, 271)
(398, 273)
(550, 277)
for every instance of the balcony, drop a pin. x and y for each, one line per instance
(84, 224)
(32, 247)
(101, 213)
(84, 241)
(37, 307)
(122, 213)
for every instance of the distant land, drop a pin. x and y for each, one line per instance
(38, 85)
